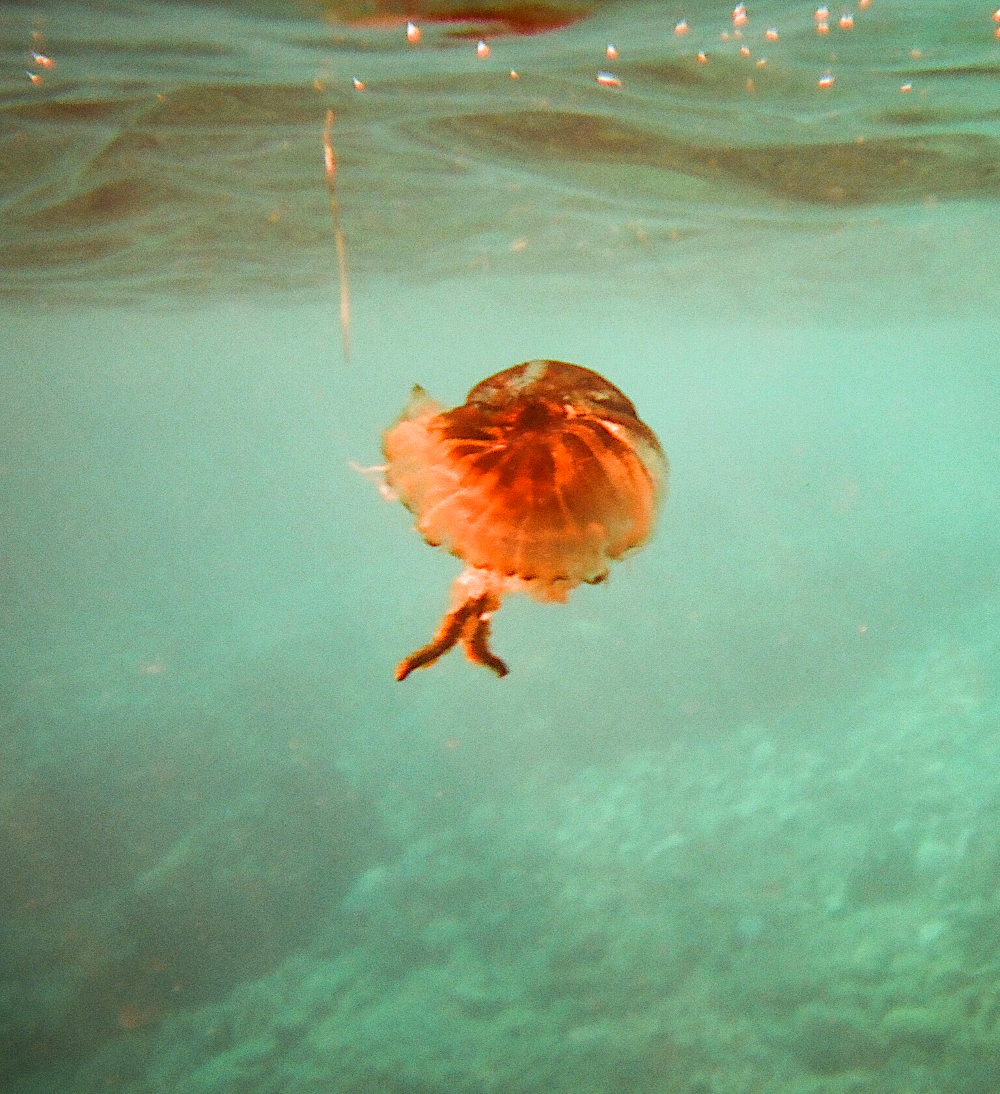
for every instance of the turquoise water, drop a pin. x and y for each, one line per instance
(730, 823)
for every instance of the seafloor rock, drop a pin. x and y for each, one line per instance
(706, 919)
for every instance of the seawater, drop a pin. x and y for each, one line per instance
(729, 825)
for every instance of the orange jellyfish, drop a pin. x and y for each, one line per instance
(537, 482)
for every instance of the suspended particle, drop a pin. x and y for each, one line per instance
(41, 60)
(608, 79)
(826, 81)
(702, 57)
(740, 15)
(822, 15)
(359, 85)
(681, 28)
(996, 16)
(34, 77)
(916, 54)
(412, 33)
(846, 21)
(482, 49)
(905, 87)
(771, 35)
(762, 63)
(822, 28)
(514, 75)
(864, 3)
(744, 52)
(724, 36)
(751, 86)
(612, 51)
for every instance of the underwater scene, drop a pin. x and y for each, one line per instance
(499, 539)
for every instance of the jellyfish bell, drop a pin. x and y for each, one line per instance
(541, 479)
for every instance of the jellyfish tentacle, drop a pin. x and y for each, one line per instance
(468, 623)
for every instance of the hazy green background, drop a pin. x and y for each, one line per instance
(730, 823)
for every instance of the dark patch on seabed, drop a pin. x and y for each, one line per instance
(134, 886)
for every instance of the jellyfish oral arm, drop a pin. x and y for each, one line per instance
(468, 623)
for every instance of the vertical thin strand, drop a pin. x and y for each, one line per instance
(330, 164)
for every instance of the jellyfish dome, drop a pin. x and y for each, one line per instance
(542, 478)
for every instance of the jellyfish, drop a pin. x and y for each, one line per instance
(540, 480)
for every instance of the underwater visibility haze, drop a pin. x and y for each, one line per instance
(729, 824)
